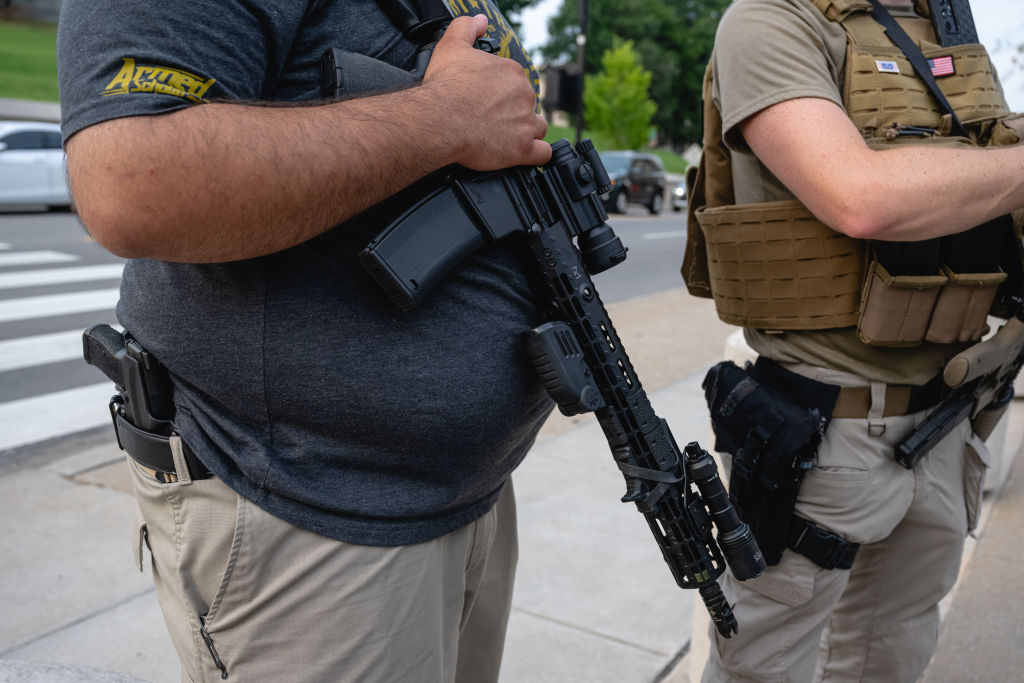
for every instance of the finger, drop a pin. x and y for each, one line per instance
(542, 127)
(466, 29)
(540, 154)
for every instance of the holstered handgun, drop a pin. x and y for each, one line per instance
(142, 410)
(982, 377)
(143, 385)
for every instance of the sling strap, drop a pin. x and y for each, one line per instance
(917, 60)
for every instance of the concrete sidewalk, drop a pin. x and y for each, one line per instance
(594, 600)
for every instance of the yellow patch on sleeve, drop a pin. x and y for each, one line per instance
(133, 78)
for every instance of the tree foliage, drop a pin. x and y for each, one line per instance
(513, 9)
(673, 38)
(616, 100)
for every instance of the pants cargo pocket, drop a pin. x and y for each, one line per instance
(791, 582)
(773, 612)
(193, 530)
(976, 461)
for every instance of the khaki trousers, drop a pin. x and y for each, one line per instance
(878, 621)
(278, 603)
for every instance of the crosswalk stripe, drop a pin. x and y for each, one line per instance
(59, 276)
(38, 418)
(42, 349)
(35, 258)
(57, 304)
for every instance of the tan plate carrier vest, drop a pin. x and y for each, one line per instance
(775, 266)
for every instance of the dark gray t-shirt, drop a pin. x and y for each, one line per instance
(297, 381)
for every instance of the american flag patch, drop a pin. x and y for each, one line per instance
(942, 66)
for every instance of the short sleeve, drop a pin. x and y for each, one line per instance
(770, 51)
(120, 59)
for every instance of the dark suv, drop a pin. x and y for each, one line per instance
(638, 179)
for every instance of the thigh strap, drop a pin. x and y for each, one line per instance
(823, 548)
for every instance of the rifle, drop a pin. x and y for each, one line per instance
(953, 22)
(982, 377)
(578, 354)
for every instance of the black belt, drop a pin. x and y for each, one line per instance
(154, 450)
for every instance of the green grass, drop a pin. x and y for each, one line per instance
(28, 71)
(28, 61)
(673, 162)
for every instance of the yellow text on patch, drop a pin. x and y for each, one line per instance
(157, 79)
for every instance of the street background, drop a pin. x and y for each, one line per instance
(594, 601)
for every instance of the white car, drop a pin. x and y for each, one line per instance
(32, 165)
(679, 196)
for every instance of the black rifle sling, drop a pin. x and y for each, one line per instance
(411, 16)
(917, 60)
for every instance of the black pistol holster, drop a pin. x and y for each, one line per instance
(772, 420)
(142, 408)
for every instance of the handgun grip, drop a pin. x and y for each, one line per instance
(101, 347)
(986, 357)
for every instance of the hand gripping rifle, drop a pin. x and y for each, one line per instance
(579, 356)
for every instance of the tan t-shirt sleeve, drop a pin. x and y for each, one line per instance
(770, 51)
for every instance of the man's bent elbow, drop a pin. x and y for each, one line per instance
(118, 226)
(857, 219)
(109, 197)
(861, 226)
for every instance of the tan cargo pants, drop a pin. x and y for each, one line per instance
(278, 603)
(879, 620)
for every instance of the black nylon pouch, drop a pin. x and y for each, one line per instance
(771, 420)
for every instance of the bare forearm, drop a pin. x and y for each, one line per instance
(905, 193)
(221, 182)
(925, 192)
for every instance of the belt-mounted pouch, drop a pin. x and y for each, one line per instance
(896, 310)
(773, 434)
(961, 310)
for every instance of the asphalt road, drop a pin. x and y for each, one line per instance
(55, 281)
(655, 245)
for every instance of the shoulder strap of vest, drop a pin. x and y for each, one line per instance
(837, 10)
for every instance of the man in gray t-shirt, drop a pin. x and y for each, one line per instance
(339, 507)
